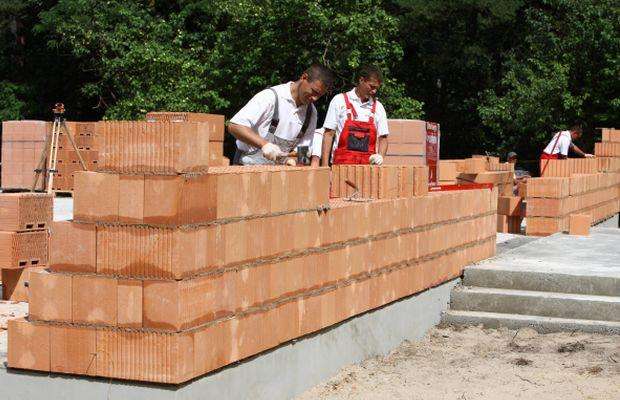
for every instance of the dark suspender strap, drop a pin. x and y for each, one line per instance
(307, 119)
(275, 119)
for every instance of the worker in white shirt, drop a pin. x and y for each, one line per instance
(278, 119)
(356, 127)
(563, 141)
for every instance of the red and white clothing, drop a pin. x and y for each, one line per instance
(337, 115)
(559, 144)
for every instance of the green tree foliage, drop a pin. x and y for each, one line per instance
(212, 56)
(565, 71)
(497, 74)
(454, 51)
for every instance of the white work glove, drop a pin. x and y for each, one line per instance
(376, 159)
(272, 151)
(588, 155)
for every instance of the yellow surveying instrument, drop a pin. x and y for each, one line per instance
(49, 156)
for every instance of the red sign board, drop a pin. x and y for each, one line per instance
(432, 152)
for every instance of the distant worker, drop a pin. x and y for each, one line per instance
(356, 128)
(278, 119)
(563, 141)
(512, 157)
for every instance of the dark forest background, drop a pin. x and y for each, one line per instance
(498, 75)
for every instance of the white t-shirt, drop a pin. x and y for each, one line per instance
(317, 142)
(563, 145)
(337, 115)
(258, 112)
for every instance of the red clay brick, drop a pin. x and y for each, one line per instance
(14, 283)
(509, 205)
(23, 249)
(73, 350)
(72, 247)
(96, 197)
(28, 345)
(129, 303)
(94, 299)
(132, 198)
(580, 224)
(25, 211)
(50, 296)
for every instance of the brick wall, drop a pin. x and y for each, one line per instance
(272, 259)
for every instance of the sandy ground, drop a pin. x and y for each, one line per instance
(474, 363)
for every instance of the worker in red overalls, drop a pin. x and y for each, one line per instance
(355, 127)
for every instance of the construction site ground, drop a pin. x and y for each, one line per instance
(472, 363)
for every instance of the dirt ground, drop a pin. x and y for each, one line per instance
(474, 363)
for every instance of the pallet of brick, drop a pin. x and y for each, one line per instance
(407, 142)
(429, 238)
(379, 182)
(23, 249)
(153, 147)
(25, 211)
(22, 144)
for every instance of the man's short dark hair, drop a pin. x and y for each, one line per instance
(576, 128)
(368, 72)
(321, 73)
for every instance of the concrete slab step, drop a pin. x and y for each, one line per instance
(545, 304)
(540, 324)
(506, 277)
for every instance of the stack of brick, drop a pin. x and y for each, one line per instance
(608, 151)
(24, 219)
(216, 132)
(84, 135)
(447, 172)
(22, 144)
(567, 167)
(503, 180)
(203, 270)
(407, 142)
(379, 182)
(552, 200)
(509, 214)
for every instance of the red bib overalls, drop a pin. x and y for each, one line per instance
(358, 139)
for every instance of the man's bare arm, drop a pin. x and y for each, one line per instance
(326, 148)
(579, 151)
(246, 135)
(383, 145)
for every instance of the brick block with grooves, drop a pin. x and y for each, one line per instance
(23, 249)
(25, 211)
(215, 122)
(153, 147)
